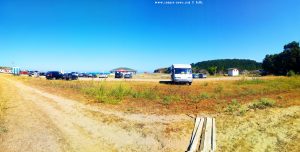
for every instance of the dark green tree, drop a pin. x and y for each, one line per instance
(212, 70)
(282, 63)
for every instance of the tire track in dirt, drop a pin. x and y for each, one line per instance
(28, 129)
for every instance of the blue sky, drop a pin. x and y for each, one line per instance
(99, 35)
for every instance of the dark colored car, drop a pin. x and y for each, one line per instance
(34, 73)
(54, 75)
(30, 73)
(42, 73)
(195, 75)
(128, 76)
(118, 75)
(82, 75)
(75, 73)
(70, 76)
(201, 75)
(92, 75)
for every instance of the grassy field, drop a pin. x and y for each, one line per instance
(3, 101)
(235, 97)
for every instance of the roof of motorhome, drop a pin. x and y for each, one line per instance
(182, 66)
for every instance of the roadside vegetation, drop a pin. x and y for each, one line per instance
(208, 96)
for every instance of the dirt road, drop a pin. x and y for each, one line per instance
(39, 121)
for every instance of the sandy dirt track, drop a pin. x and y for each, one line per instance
(40, 121)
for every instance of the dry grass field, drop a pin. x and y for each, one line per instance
(3, 100)
(252, 114)
(203, 96)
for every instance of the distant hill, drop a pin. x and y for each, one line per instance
(221, 65)
(162, 70)
(224, 64)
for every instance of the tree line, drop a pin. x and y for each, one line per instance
(286, 62)
(221, 65)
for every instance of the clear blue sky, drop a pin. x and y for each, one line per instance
(97, 35)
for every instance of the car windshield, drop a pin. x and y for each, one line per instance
(183, 71)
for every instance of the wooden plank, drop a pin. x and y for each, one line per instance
(196, 140)
(214, 135)
(204, 135)
(197, 122)
(208, 135)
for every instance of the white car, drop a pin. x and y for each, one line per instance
(103, 75)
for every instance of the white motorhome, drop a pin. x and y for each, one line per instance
(181, 73)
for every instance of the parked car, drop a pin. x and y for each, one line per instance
(82, 75)
(92, 75)
(103, 75)
(128, 76)
(75, 73)
(118, 75)
(195, 75)
(42, 73)
(201, 75)
(30, 73)
(54, 75)
(70, 76)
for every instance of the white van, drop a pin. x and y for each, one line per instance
(181, 73)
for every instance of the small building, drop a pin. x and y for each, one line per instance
(123, 70)
(233, 72)
(5, 70)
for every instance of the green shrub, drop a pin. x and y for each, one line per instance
(166, 100)
(254, 80)
(203, 96)
(149, 94)
(262, 103)
(120, 92)
(291, 73)
(233, 106)
(236, 108)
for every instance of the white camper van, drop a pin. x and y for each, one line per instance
(181, 73)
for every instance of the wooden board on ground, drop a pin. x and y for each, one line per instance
(204, 135)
